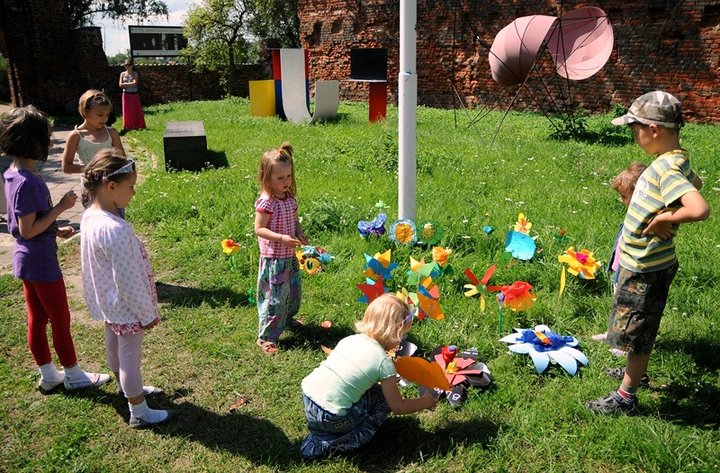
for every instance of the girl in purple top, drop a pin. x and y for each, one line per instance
(278, 229)
(25, 137)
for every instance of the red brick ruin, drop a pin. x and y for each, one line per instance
(659, 44)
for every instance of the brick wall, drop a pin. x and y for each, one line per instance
(668, 45)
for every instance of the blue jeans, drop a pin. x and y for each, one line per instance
(342, 433)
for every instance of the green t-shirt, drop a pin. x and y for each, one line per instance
(354, 366)
(658, 190)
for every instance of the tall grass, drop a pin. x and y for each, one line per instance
(204, 352)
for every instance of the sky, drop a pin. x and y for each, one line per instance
(115, 34)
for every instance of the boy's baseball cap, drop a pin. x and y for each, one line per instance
(656, 107)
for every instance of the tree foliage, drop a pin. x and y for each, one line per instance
(216, 30)
(82, 11)
(277, 19)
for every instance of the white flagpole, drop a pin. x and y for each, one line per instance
(407, 114)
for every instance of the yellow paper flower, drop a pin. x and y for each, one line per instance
(229, 247)
(581, 264)
(404, 233)
(440, 255)
(523, 225)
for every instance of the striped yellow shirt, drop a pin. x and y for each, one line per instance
(658, 190)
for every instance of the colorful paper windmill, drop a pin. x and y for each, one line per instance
(545, 346)
(479, 286)
(312, 258)
(419, 270)
(372, 227)
(379, 266)
(371, 289)
(428, 305)
(581, 264)
(403, 232)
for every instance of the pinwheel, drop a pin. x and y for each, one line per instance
(403, 232)
(461, 370)
(581, 264)
(479, 287)
(428, 305)
(379, 266)
(545, 346)
(419, 270)
(312, 258)
(371, 289)
(372, 227)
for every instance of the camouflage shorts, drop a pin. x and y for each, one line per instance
(639, 303)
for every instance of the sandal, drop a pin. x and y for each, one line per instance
(268, 347)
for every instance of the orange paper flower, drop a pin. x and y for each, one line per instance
(229, 247)
(440, 255)
(517, 297)
(523, 225)
(581, 263)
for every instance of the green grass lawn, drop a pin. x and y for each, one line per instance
(204, 353)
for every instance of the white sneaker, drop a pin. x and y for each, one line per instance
(90, 380)
(152, 417)
(46, 386)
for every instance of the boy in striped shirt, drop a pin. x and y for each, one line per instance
(665, 196)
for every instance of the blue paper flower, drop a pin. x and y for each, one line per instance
(373, 227)
(544, 346)
(520, 245)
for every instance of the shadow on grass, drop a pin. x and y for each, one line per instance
(193, 297)
(692, 402)
(254, 438)
(412, 444)
(314, 336)
(701, 349)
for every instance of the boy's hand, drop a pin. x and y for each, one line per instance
(303, 239)
(65, 232)
(659, 227)
(290, 242)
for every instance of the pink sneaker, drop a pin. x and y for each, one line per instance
(600, 337)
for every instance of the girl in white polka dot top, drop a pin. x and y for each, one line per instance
(117, 277)
(278, 229)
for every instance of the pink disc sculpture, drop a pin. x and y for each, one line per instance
(516, 46)
(581, 43)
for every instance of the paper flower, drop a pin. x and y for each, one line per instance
(430, 233)
(488, 229)
(440, 255)
(581, 264)
(522, 225)
(428, 305)
(379, 266)
(544, 346)
(312, 258)
(520, 245)
(230, 249)
(479, 287)
(517, 297)
(403, 232)
(373, 227)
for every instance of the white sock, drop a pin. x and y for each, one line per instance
(75, 373)
(142, 411)
(48, 372)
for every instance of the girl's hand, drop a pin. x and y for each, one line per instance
(65, 232)
(67, 201)
(151, 324)
(303, 239)
(290, 242)
(430, 398)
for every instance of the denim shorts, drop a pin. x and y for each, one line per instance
(639, 303)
